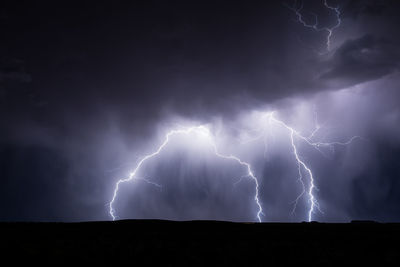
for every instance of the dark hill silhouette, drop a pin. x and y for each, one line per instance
(201, 243)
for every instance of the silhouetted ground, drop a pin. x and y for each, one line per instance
(146, 242)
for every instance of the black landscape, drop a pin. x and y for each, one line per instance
(202, 243)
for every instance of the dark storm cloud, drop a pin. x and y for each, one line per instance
(10, 76)
(152, 58)
(364, 59)
(13, 71)
(93, 82)
(356, 8)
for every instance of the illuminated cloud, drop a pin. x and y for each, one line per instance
(97, 89)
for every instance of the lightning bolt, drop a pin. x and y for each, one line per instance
(203, 130)
(301, 165)
(338, 22)
(315, 26)
(304, 170)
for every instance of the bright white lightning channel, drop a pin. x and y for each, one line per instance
(315, 26)
(302, 165)
(295, 136)
(203, 130)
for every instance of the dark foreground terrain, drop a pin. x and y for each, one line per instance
(202, 243)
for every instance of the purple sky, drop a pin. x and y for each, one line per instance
(86, 91)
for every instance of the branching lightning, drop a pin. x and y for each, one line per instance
(315, 26)
(204, 131)
(301, 165)
(338, 22)
(303, 169)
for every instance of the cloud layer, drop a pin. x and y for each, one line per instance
(86, 91)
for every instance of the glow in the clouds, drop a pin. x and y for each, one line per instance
(302, 165)
(204, 131)
(272, 122)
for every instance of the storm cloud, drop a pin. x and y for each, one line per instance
(364, 59)
(87, 90)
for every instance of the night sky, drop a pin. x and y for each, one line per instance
(89, 89)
